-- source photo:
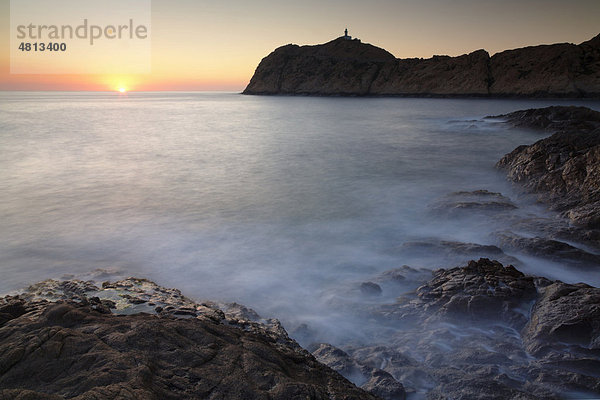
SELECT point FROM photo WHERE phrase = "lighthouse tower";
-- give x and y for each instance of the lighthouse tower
(346, 36)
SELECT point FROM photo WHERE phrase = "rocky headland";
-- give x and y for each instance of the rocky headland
(345, 67)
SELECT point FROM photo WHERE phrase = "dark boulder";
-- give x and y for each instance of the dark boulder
(565, 317)
(483, 290)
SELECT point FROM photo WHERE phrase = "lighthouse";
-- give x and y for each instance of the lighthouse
(346, 36)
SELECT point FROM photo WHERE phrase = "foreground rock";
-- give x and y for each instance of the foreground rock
(349, 67)
(563, 169)
(79, 350)
(567, 318)
(371, 378)
(485, 331)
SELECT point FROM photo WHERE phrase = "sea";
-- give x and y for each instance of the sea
(279, 203)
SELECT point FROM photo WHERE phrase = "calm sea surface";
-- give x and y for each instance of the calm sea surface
(269, 201)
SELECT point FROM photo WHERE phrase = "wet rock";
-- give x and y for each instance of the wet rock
(133, 299)
(554, 118)
(385, 386)
(76, 287)
(396, 274)
(373, 380)
(564, 169)
(485, 331)
(557, 229)
(479, 387)
(404, 277)
(447, 247)
(101, 306)
(370, 289)
(403, 368)
(79, 353)
(567, 318)
(240, 312)
(450, 253)
(339, 361)
(476, 202)
(125, 296)
(547, 248)
(483, 290)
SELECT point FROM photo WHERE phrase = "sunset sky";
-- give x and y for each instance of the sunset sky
(216, 45)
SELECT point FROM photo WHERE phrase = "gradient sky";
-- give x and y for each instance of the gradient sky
(216, 45)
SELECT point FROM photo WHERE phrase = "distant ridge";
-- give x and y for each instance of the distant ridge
(345, 67)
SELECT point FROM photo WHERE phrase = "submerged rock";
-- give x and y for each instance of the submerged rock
(370, 289)
(373, 380)
(476, 202)
(404, 276)
(450, 253)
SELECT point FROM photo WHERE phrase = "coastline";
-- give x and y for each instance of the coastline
(349, 67)
(518, 316)
(476, 96)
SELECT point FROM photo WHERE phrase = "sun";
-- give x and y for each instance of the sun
(122, 90)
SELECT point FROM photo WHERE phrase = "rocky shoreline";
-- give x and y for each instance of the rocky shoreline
(476, 328)
(133, 339)
(344, 67)
(481, 331)
(564, 168)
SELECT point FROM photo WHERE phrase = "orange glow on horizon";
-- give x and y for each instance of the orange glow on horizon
(223, 51)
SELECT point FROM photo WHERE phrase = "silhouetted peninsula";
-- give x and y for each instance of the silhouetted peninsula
(348, 67)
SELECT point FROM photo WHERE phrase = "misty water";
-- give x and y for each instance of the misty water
(284, 204)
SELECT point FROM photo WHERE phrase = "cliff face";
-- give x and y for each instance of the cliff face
(559, 69)
(440, 75)
(349, 67)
